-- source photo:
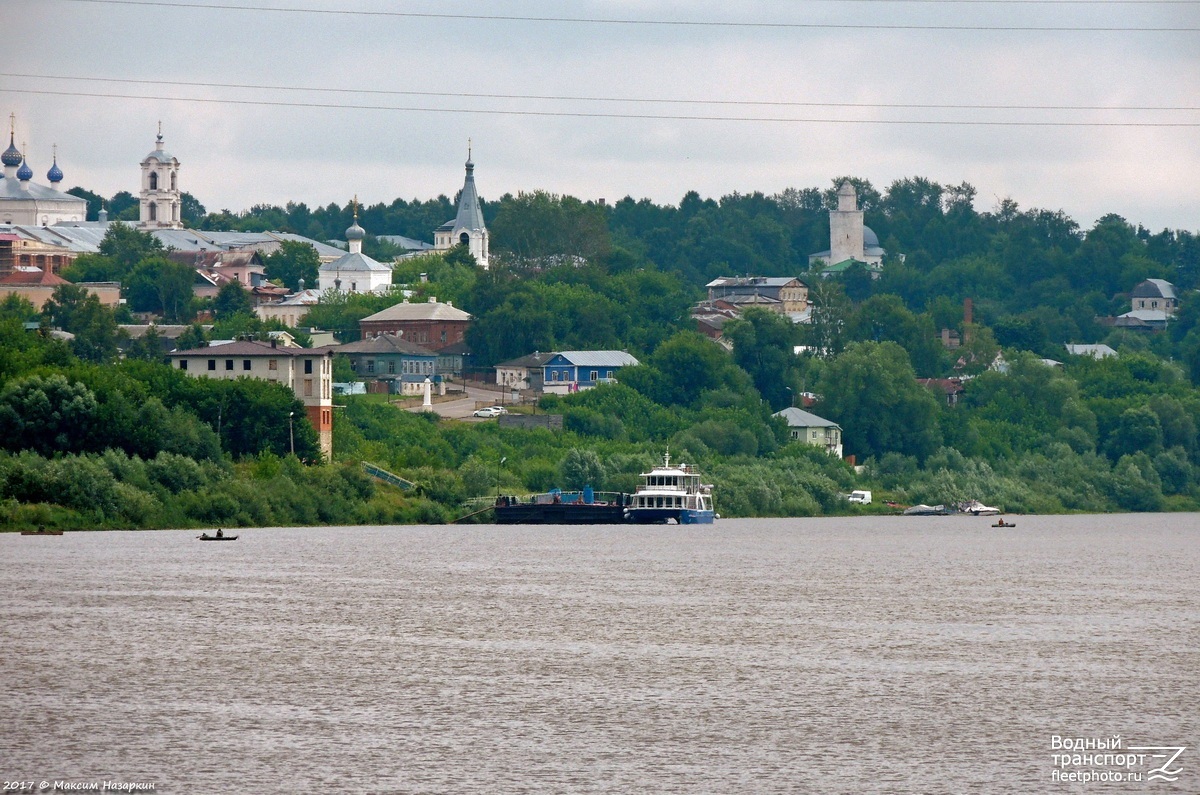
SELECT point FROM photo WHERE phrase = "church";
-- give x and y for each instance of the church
(849, 240)
(467, 227)
(24, 202)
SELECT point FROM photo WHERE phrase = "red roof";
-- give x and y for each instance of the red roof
(34, 277)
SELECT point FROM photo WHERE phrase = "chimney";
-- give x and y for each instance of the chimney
(274, 343)
(967, 313)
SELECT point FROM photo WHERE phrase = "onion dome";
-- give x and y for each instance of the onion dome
(356, 232)
(55, 173)
(24, 173)
(12, 155)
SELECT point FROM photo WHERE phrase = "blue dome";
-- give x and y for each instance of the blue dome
(12, 155)
(55, 173)
(356, 232)
(24, 173)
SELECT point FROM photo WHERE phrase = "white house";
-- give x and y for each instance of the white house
(308, 372)
(810, 429)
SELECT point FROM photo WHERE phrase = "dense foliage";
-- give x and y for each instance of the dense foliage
(1088, 435)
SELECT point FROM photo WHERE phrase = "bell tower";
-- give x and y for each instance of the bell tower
(161, 199)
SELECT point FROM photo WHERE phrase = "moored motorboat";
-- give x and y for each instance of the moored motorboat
(926, 510)
(977, 508)
(672, 494)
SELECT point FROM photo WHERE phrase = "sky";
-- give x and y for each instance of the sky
(653, 99)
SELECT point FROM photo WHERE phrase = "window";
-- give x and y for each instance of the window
(595, 376)
(153, 180)
(391, 367)
(153, 208)
(272, 364)
(229, 364)
(354, 365)
(183, 364)
(212, 364)
(174, 184)
(308, 366)
(370, 365)
(307, 387)
(443, 335)
(246, 364)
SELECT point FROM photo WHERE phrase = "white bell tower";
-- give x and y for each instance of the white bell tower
(161, 199)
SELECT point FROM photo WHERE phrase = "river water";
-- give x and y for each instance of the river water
(886, 655)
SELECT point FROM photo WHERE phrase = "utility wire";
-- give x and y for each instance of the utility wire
(632, 100)
(645, 22)
(587, 115)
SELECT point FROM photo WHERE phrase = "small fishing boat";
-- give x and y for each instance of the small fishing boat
(1003, 523)
(220, 536)
(41, 531)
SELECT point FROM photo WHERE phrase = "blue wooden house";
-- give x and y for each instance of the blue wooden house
(570, 371)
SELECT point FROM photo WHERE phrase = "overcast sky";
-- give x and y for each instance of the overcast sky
(236, 155)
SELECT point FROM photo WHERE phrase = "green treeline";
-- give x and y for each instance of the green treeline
(1087, 435)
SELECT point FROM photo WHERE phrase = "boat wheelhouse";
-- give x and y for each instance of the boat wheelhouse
(672, 494)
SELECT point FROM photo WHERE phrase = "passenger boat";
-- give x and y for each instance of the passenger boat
(563, 507)
(672, 494)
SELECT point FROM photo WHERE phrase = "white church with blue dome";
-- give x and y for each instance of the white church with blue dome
(355, 272)
(24, 202)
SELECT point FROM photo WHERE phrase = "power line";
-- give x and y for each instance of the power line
(631, 100)
(679, 23)
(589, 115)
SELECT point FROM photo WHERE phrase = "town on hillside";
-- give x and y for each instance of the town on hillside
(756, 323)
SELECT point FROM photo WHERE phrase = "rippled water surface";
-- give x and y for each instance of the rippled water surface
(891, 655)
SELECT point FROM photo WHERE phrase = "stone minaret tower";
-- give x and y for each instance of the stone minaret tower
(846, 227)
(161, 199)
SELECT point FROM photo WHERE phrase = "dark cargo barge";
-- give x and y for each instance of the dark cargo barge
(564, 507)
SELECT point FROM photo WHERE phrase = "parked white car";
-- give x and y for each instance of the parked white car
(859, 497)
(489, 412)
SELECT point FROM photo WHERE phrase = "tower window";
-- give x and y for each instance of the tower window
(464, 238)
(153, 211)
(173, 184)
(153, 180)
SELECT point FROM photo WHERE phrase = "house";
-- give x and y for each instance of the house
(37, 286)
(1100, 351)
(523, 373)
(292, 310)
(452, 360)
(571, 371)
(391, 358)
(786, 294)
(808, 428)
(1155, 294)
(307, 372)
(432, 325)
(948, 389)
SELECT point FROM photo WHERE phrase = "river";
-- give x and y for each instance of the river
(881, 655)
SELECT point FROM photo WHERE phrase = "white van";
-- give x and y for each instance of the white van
(860, 497)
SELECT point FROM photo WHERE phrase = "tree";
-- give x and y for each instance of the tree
(872, 392)
(580, 468)
(762, 346)
(47, 415)
(292, 262)
(830, 311)
(73, 309)
(127, 246)
(164, 287)
(232, 299)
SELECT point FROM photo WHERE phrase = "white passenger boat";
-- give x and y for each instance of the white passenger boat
(672, 494)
